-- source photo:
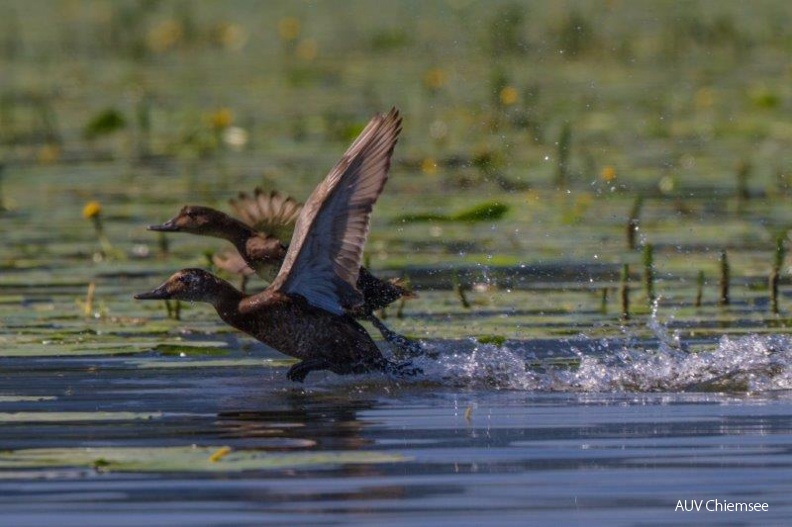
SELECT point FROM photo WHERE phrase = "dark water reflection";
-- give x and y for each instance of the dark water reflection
(469, 456)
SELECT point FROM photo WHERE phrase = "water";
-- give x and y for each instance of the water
(478, 439)
(111, 413)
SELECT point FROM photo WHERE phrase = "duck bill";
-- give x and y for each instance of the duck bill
(168, 226)
(160, 293)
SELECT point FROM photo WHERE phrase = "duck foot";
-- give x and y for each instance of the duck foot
(407, 347)
(299, 371)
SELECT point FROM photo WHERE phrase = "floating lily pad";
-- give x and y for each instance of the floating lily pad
(203, 349)
(184, 459)
(25, 398)
(489, 211)
(217, 363)
(38, 417)
(495, 340)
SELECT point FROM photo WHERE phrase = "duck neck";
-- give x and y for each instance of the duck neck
(225, 299)
(237, 233)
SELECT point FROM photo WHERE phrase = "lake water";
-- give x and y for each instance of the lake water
(111, 413)
(540, 403)
(127, 440)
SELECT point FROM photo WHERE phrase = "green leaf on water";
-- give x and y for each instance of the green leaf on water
(183, 459)
(490, 211)
(104, 123)
(420, 218)
(495, 340)
(25, 398)
(213, 363)
(198, 349)
(69, 417)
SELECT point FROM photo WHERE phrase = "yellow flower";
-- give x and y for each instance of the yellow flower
(306, 49)
(220, 453)
(704, 98)
(289, 28)
(429, 166)
(92, 209)
(48, 154)
(608, 174)
(231, 36)
(222, 118)
(164, 36)
(435, 78)
(508, 95)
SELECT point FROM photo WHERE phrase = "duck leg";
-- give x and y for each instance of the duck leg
(299, 371)
(408, 346)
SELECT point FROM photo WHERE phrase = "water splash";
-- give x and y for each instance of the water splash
(753, 363)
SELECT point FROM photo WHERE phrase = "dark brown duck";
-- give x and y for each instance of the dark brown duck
(302, 311)
(261, 253)
(286, 322)
(268, 217)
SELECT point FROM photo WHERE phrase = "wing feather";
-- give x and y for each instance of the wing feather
(272, 213)
(323, 260)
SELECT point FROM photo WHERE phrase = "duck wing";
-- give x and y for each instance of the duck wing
(230, 260)
(323, 259)
(271, 212)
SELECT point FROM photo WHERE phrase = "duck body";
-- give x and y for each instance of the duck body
(263, 254)
(286, 323)
(321, 340)
(304, 310)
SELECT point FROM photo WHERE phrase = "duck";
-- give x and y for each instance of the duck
(262, 253)
(268, 216)
(303, 312)
(286, 322)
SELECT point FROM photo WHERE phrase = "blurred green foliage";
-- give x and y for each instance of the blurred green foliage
(104, 123)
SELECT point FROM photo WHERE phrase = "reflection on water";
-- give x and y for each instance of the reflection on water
(467, 453)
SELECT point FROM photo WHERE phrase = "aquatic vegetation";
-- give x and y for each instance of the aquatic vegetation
(649, 273)
(489, 211)
(88, 304)
(435, 79)
(633, 222)
(562, 156)
(495, 340)
(184, 459)
(505, 32)
(576, 35)
(104, 123)
(725, 279)
(775, 273)
(221, 119)
(29, 117)
(557, 380)
(3, 206)
(624, 292)
(743, 174)
(93, 211)
(289, 28)
(700, 281)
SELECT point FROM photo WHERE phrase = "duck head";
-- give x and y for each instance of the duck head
(195, 220)
(194, 285)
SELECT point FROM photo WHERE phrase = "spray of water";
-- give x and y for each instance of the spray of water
(753, 363)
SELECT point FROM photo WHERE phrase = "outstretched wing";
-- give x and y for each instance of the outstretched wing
(271, 212)
(323, 260)
(230, 260)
